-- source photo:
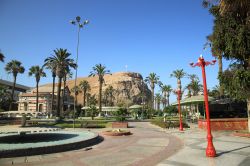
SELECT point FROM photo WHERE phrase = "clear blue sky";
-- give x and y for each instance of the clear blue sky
(147, 35)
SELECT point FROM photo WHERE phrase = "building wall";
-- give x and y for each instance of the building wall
(45, 101)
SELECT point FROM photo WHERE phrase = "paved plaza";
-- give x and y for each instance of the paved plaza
(148, 146)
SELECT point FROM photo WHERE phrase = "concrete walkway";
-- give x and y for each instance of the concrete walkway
(231, 150)
(149, 146)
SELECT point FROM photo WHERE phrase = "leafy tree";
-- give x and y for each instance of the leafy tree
(14, 67)
(92, 105)
(84, 85)
(152, 79)
(99, 70)
(62, 61)
(1, 57)
(215, 92)
(178, 74)
(231, 38)
(5, 97)
(51, 65)
(38, 73)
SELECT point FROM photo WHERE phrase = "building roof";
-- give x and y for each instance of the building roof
(18, 87)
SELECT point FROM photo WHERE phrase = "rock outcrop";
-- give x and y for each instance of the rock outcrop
(128, 87)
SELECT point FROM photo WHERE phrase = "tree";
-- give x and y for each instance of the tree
(99, 70)
(76, 90)
(62, 61)
(51, 65)
(158, 98)
(67, 75)
(152, 79)
(166, 90)
(5, 97)
(38, 73)
(84, 85)
(178, 74)
(194, 87)
(231, 37)
(92, 105)
(14, 67)
(1, 57)
(110, 95)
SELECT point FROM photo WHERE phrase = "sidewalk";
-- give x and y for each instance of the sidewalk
(231, 150)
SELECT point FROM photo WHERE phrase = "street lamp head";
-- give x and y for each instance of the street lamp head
(72, 22)
(191, 64)
(201, 56)
(214, 61)
(78, 18)
(85, 22)
(80, 25)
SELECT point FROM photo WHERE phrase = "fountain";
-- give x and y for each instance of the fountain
(25, 141)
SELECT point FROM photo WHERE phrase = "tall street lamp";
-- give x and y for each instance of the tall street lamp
(210, 151)
(178, 91)
(79, 25)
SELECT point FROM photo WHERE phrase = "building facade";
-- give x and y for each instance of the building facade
(27, 101)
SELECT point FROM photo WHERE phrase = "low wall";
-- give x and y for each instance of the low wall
(120, 125)
(225, 124)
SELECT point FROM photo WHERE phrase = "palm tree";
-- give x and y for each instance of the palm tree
(166, 90)
(110, 94)
(178, 74)
(38, 73)
(62, 61)
(1, 57)
(158, 98)
(51, 65)
(67, 75)
(76, 90)
(14, 67)
(84, 85)
(99, 70)
(152, 79)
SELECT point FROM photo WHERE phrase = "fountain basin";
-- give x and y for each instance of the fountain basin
(14, 145)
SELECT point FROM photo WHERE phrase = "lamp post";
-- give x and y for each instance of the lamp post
(210, 151)
(178, 91)
(79, 25)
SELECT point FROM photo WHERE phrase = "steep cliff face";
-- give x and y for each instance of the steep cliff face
(128, 87)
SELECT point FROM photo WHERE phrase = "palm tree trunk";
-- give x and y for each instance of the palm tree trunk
(84, 98)
(248, 113)
(100, 97)
(12, 92)
(220, 72)
(64, 86)
(58, 97)
(152, 94)
(53, 92)
(168, 99)
(37, 96)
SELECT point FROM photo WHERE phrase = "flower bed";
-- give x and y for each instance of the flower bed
(117, 132)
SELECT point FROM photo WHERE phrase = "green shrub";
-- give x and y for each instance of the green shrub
(168, 124)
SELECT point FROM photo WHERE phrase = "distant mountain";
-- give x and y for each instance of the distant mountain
(128, 87)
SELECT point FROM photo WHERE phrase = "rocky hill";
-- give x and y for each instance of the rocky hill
(128, 87)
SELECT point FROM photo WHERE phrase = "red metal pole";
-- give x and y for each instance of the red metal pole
(179, 109)
(210, 151)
